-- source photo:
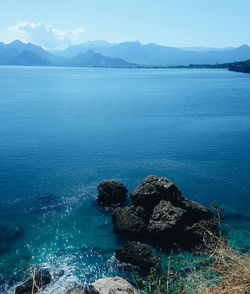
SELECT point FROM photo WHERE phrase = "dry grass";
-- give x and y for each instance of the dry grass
(224, 271)
(35, 287)
(233, 271)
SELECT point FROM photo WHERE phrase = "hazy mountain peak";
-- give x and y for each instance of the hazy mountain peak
(24, 46)
(89, 53)
(16, 43)
(99, 43)
(244, 47)
(82, 48)
(133, 43)
(92, 58)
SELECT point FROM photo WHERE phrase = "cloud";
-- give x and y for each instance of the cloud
(46, 35)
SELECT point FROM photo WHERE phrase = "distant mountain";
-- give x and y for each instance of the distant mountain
(205, 49)
(156, 55)
(19, 53)
(129, 51)
(126, 54)
(81, 48)
(27, 58)
(93, 59)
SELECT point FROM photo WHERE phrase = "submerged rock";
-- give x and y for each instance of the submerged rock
(8, 235)
(130, 220)
(154, 189)
(138, 254)
(42, 278)
(202, 235)
(111, 193)
(76, 290)
(114, 285)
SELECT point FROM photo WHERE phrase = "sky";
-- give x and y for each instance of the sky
(56, 24)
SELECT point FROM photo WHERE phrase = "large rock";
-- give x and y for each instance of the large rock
(114, 285)
(138, 254)
(154, 189)
(195, 211)
(202, 235)
(166, 221)
(162, 215)
(130, 220)
(111, 193)
(76, 290)
(42, 278)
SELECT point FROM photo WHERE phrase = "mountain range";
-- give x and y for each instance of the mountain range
(126, 54)
(19, 53)
(156, 55)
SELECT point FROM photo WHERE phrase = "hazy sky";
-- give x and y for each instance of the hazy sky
(59, 23)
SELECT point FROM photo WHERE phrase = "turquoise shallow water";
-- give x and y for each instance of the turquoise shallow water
(64, 130)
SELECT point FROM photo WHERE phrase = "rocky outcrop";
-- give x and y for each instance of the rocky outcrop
(154, 189)
(114, 285)
(195, 211)
(111, 193)
(138, 254)
(202, 235)
(162, 215)
(76, 290)
(166, 221)
(42, 278)
(131, 221)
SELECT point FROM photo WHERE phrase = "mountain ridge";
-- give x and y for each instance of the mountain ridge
(152, 54)
(28, 54)
(125, 54)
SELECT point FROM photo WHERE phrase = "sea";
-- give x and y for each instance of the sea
(63, 130)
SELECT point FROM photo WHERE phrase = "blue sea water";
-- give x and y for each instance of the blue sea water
(63, 130)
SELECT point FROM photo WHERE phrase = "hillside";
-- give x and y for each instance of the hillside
(27, 58)
(240, 66)
(93, 59)
(19, 53)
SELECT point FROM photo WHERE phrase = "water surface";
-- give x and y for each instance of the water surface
(63, 130)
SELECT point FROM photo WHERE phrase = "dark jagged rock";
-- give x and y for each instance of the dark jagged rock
(195, 211)
(130, 220)
(76, 290)
(113, 285)
(162, 215)
(201, 235)
(166, 221)
(42, 278)
(138, 254)
(111, 193)
(154, 189)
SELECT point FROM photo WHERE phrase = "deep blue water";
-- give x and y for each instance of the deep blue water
(64, 130)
